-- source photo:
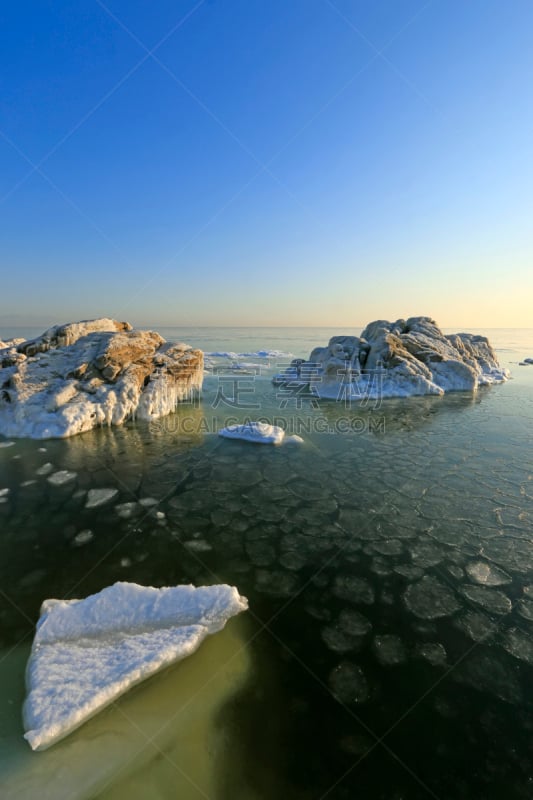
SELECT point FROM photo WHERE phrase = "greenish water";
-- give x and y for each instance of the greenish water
(388, 562)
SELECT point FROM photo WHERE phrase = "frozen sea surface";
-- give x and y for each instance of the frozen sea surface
(388, 564)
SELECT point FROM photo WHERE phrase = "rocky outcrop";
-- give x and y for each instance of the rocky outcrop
(397, 359)
(97, 372)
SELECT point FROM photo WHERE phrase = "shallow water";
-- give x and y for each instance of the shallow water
(388, 562)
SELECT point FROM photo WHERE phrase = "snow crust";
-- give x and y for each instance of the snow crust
(86, 653)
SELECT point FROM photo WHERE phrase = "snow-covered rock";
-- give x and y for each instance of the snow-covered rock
(258, 432)
(99, 372)
(396, 359)
(86, 653)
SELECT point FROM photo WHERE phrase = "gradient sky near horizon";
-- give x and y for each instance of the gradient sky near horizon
(266, 162)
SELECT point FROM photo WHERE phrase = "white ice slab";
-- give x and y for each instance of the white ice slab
(259, 432)
(127, 752)
(86, 653)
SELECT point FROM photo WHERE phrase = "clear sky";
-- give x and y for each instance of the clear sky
(263, 162)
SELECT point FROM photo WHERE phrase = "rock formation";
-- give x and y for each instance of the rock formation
(397, 359)
(96, 372)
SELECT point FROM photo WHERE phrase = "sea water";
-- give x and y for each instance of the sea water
(388, 563)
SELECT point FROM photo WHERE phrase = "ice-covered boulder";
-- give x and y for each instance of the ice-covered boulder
(258, 432)
(86, 653)
(397, 359)
(99, 372)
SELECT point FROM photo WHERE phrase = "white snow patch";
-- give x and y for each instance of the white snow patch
(86, 653)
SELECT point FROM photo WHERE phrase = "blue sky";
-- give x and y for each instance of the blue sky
(263, 162)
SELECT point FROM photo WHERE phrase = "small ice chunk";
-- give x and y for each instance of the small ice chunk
(354, 623)
(482, 572)
(389, 650)
(519, 645)
(353, 589)
(487, 670)
(41, 449)
(261, 553)
(293, 439)
(28, 483)
(46, 469)
(348, 683)
(525, 609)
(476, 625)
(6, 444)
(198, 545)
(492, 600)
(409, 571)
(61, 477)
(83, 537)
(432, 652)
(4, 492)
(99, 497)
(127, 510)
(146, 502)
(86, 653)
(293, 560)
(275, 583)
(258, 432)
(428, 598)
(125, 562)
(32, 578)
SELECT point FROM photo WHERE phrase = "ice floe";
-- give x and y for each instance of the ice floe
(99, 497)
(492, 600)
(86, 653)
(389, 650)
(348, 683)
(46, 469)
(486, 574)
(258, 432)
(432, 652)
(428, 598)
(83, 537)
(61, 477)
